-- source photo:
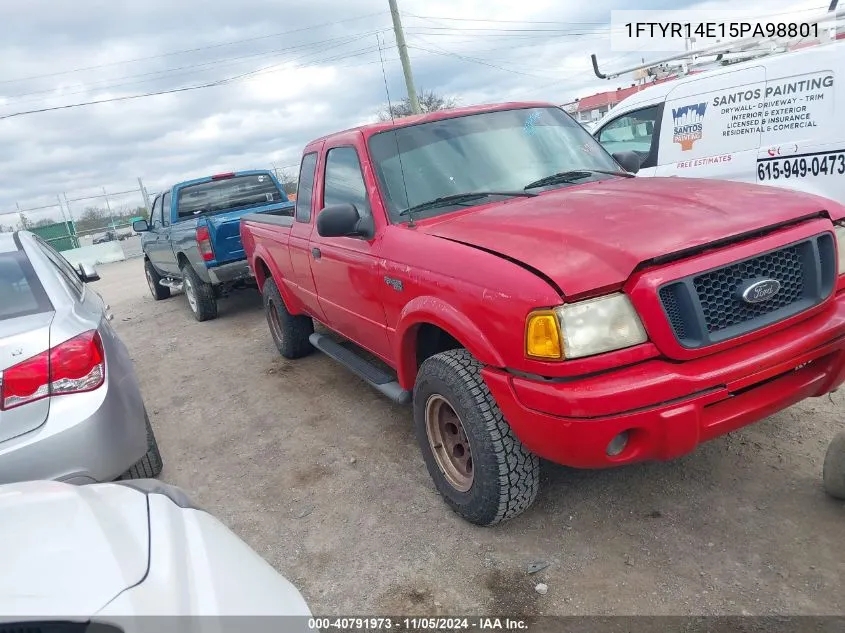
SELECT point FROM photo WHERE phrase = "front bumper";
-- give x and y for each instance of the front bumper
(668, 408)
(231, 272)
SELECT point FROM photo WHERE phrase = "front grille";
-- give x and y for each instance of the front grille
(708, 308)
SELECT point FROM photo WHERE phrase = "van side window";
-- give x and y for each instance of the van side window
(305, 188)
(633, 132)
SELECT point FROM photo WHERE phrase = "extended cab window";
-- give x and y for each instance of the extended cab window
(631, 132)
(305, 188)
(345, 181)
(498, 151)
(227, 193)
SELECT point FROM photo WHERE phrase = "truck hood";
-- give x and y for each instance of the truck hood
(69, 550)
(594, 235)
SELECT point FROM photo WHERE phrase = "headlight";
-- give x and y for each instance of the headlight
(839, 231)
(583, 329)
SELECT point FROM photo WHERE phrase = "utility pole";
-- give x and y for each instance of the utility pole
(403, 55)
(144, 194)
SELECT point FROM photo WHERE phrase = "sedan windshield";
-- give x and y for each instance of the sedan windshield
(501, 151)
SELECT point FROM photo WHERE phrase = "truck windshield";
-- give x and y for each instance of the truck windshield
(21, 293)
(503, 150)
(228, 194)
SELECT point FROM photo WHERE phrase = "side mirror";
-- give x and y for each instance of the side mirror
(87, 273)
(139, 226)
(629, 161)
(340, 220)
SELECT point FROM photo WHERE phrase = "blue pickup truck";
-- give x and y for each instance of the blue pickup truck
(192, 239)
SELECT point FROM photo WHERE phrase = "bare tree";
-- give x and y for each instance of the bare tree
(288, 180)
(429, 100)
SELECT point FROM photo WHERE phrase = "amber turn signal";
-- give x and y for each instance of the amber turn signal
(542, 336)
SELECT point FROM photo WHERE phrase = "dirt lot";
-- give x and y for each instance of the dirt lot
(322, 476)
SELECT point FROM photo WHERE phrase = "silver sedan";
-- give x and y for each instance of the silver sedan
(70, 404)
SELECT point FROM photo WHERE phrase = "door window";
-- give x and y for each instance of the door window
(305, 189)
(344, 180)
(155, 214)
(632, 132)
(165, 209)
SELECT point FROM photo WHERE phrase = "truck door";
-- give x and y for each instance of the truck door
(711, 127)
(153, 241)
(166, 254)
(346, 270)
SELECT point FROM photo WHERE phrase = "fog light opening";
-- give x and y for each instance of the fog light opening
(617, 444)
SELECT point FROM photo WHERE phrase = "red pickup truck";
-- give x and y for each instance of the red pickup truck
(498, 268)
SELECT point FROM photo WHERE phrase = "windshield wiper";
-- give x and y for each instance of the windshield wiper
(457, 198)
(573, 175)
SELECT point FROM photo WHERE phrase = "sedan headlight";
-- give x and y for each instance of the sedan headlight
(839, 231)
(583, 329)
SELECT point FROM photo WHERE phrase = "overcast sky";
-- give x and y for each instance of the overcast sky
(314, 69)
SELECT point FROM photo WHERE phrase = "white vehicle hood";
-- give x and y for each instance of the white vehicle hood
(69, 550)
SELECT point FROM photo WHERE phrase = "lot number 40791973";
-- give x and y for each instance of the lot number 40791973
(822, 164)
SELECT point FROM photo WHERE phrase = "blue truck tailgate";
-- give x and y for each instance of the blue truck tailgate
(225, 231)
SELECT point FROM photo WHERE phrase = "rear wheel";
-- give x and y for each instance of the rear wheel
(834, 468)
(149, 465)
(158, 291)
(290, 332)
(200, 295)
(478, 465)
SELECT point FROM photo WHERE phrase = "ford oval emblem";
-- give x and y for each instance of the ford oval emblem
(760, 290)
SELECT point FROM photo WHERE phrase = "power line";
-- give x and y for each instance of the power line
(191, 50)
(215, 64)
(437, 17)
(219, 82)
(476, 61)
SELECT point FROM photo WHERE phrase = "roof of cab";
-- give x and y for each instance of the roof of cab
(369, 129)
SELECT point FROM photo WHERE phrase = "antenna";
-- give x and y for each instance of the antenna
(411, 223)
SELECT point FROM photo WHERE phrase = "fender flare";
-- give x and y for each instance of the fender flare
(293, 305)
(434, 311)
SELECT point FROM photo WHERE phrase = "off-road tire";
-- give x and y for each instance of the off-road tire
(149, 465)
(506, 475)
(158, 291)
(204, 307)
(290, 332)
(833, 473)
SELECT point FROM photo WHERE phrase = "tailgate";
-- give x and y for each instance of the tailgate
(225, 231)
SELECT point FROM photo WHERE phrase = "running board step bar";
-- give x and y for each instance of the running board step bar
(375, 376)
(173, 284)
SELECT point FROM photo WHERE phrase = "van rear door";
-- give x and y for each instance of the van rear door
(712, 126)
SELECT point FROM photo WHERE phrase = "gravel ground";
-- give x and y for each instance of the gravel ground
(322, 476)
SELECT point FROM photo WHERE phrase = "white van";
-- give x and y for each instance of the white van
(771, 120)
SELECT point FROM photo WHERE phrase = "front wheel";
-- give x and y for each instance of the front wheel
(158, 291)
(834, 468)
(200, 295)
(477, 463)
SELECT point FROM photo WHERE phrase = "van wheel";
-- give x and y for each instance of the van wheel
(478, 465)
(200, 295)
(158, 291)
(290, 332)
(834, 468)
(149, 465)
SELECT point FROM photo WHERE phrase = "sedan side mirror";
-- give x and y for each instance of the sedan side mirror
(341, 220)
(629, 161)
(87, 273)
(139, 226)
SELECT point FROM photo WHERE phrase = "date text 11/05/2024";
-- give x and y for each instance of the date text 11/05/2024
(412, 624)
(720, 29)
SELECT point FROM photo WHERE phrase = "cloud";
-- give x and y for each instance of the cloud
(315, 68)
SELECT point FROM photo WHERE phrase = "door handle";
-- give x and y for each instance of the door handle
(316, 253)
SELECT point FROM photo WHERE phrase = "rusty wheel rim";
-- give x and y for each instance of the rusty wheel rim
(449, 442)
(273, 319)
